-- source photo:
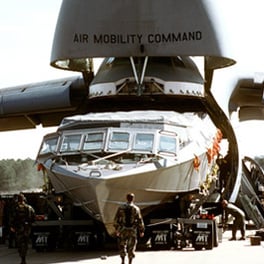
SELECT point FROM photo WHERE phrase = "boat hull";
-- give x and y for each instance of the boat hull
(101, 191)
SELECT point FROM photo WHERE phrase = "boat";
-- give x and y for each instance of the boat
(97, 158)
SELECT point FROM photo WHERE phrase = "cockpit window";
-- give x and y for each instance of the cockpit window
(93, 141)
(168, 144)
(70, 143)
(49, 145)
(119, 141)
(144, 141)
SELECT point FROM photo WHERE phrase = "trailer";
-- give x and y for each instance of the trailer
(62, 225)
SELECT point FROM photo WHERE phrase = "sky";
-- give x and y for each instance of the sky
(26, 30)
(26, 34)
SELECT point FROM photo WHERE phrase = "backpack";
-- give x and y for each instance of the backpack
(128, 216)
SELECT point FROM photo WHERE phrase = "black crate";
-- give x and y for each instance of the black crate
(84, 240)
(161, 237)
(44, 241)
(203, 234)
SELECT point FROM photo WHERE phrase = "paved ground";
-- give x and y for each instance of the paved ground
(241, 252)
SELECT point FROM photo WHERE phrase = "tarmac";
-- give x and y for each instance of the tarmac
(225, 253)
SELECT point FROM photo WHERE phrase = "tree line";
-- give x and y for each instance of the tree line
(19, 175)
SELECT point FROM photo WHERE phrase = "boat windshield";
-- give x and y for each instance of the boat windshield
(71, 143)
(93, 141)
(112, 140)
(119, 141)
(144, 141)
(168, 144)
(49, 145)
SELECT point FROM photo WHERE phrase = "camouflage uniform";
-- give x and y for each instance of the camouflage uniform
(128, 220)
(24, 216)
(11, 207)
(239, 219)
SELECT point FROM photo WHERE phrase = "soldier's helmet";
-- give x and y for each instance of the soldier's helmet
(21, 198)
(130, 197)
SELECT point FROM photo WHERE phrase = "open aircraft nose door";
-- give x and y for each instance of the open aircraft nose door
(103, 28)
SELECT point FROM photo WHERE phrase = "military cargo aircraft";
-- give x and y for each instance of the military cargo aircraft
(147, 121)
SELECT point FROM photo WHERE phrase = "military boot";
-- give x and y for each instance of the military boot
(23, 260)
(122, 260)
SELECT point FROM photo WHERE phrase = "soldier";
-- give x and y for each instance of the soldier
(12, 204)
(2, 219)
(239, 219)
(24, 216)
(128, 220)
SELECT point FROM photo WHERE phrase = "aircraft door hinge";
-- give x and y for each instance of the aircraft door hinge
(139, 78)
